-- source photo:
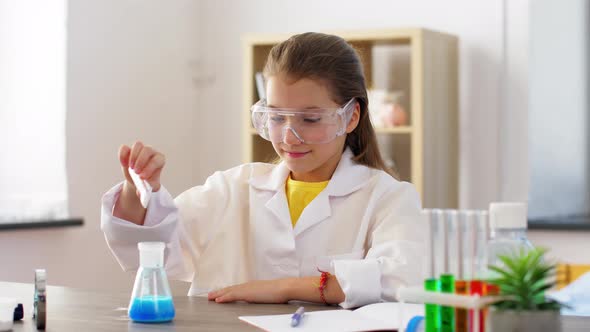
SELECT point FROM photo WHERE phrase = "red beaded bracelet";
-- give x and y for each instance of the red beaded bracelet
(323, 283)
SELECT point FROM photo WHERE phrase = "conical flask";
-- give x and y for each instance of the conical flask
(151, 300)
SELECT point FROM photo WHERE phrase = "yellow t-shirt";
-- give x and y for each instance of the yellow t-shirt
(300, 194)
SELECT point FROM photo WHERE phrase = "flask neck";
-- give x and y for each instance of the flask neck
(151, 259)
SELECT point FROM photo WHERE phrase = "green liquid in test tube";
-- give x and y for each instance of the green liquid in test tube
(432, 311)
(447, 314)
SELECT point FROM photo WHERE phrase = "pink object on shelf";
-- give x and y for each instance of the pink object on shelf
(394, 115)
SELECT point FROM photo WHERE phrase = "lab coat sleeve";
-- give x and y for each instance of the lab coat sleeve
(185, 224)
(201, 209)
(396, 250)
(160, 224)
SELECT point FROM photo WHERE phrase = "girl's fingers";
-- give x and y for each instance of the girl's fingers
(156, 163)
(229, 297)
(213, 295)
(218, 293)
(135, 150)
(124, 152)
(142, 158)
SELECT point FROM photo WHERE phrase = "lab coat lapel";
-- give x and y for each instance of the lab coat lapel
(279, 206)
(347, 178)
(275, 182)
(318, 210)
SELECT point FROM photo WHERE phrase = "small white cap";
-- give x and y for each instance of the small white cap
(508, 215)
(151, 254)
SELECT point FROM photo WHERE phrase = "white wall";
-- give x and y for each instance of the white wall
(130, 75)
(28, 191)
(177, 65)
(513, 166)
(565, 246)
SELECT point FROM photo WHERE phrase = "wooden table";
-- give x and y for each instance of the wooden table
(79, 310)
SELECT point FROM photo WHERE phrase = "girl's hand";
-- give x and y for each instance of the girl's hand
(148, 163)
(145, 160)
(260, 291)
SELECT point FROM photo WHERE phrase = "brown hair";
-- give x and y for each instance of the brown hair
(331, 59)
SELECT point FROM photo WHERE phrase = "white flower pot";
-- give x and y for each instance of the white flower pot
(523, 321)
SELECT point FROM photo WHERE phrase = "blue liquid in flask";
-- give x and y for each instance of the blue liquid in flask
(152, 309)
(151, 299)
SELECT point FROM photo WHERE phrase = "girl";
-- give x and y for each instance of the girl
(328, 224)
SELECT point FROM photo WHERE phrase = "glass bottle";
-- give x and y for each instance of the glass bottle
(151, 299)
(508, 222)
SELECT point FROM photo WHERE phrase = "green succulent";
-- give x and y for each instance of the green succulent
(522, 279)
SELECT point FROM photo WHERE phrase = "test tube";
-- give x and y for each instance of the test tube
(481, 235)
(468, 239)
(439, 247)
(454, 243)
(432, 311)
(431, 283)
(447, 278)
(428, 217)
(462, 275)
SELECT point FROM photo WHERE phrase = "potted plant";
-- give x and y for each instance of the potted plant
(522, 279)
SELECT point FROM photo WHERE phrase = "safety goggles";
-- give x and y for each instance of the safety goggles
(309, 126)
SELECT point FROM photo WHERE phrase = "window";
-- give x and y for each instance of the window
(33, 182)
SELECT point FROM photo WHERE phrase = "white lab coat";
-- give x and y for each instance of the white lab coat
(363, 227)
